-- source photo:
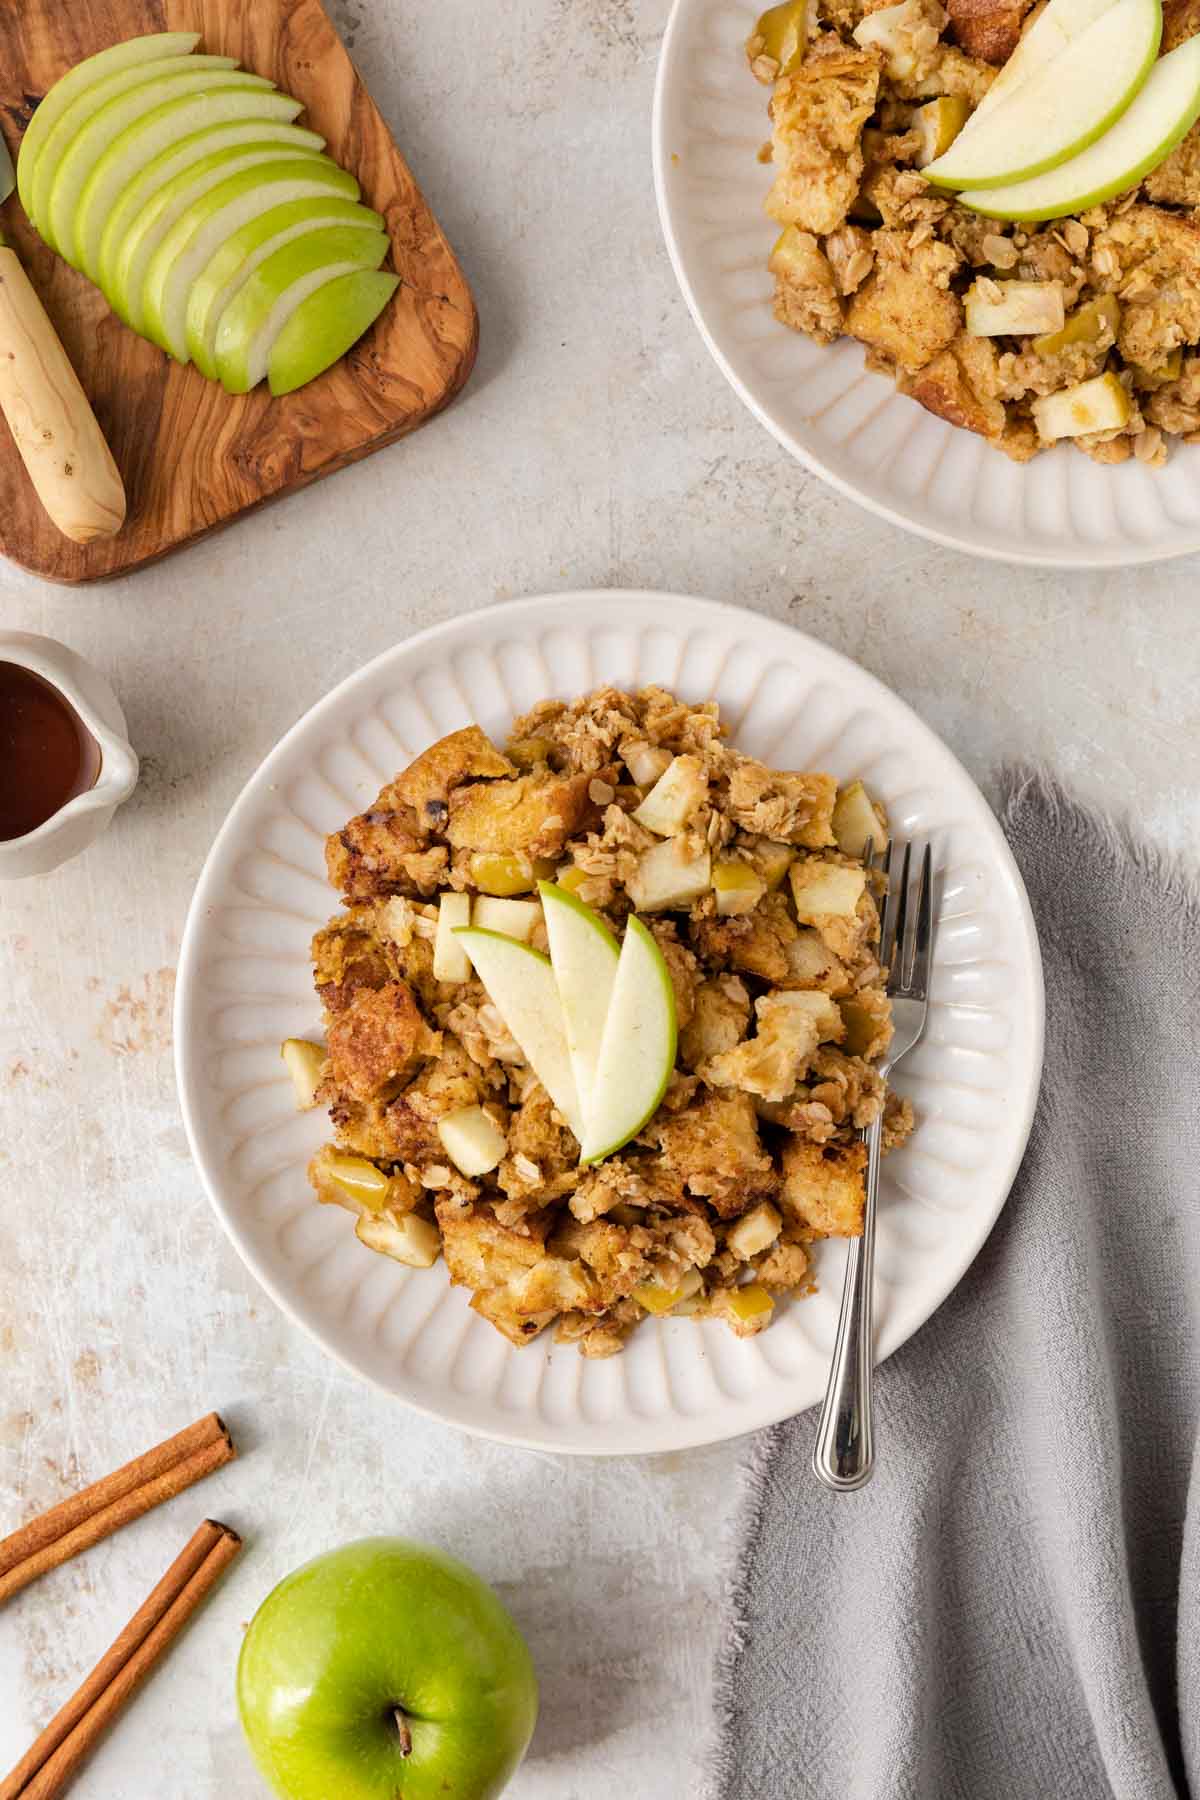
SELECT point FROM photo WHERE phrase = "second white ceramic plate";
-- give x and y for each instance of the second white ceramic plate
(852, 427)
(245, 984)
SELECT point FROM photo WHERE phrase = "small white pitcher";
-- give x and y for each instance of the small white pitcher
(76, 824)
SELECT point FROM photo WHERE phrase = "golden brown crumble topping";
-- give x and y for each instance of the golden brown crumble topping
(753, 1152)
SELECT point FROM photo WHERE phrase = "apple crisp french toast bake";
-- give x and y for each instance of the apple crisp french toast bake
(598, 816)
(1007, 316)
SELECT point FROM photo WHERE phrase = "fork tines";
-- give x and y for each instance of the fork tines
(906, 923)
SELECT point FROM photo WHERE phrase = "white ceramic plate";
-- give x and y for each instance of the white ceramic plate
(245, 984)
(883, 450)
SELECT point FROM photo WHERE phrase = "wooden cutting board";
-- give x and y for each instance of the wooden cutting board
(193, 457)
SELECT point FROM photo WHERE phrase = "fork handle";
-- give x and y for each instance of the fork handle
(844, 1452)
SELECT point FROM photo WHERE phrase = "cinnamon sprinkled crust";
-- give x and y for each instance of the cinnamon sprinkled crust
(779, 997)
(870, 250)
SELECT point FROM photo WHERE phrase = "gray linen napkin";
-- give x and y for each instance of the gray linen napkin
(1011, 1608)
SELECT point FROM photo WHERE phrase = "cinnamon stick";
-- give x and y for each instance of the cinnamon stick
(50, 1763)
(82, 1520)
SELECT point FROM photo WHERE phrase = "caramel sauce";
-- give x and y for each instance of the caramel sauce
(47, 753)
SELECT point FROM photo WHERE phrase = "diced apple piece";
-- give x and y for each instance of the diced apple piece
(1085, 325)
(411, 1240)
(325, 325)
(528, 752)
(825, 1013)
(891, 30)
(1023, 306)
(667, 876)
(645, 762)
(939, 124)
(1097, 405)
(773, 861)
(748, 1309)
(737, 885)
(1168, 370)
(515, 918)
(777, 44)
(366, 1188)
(504, 874)
(656, 1300)
(572, 878)
(857, 823)
(305, 1063)
(450, 960)
(472, 1140)
(660, 1300)
(867, 1019)
(754, 1231)
(821, 889)
(791, 253)
(812, 962)
(673, 799)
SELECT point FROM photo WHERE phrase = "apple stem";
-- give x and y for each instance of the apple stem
(405, 1735)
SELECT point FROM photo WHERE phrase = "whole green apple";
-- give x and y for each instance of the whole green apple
(386, 1671)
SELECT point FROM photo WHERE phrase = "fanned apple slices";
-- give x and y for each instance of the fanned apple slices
(211, 221)
(1073, 78)
(595, 1020)
(1160, 117)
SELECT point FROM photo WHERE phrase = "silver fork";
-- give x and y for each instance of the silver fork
(843, 1455)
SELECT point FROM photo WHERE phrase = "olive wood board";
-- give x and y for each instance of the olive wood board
(192, 456)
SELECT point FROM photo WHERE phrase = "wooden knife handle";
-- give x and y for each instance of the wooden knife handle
(50, 417)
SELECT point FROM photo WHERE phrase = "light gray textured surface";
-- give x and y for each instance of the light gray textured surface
(596, 445)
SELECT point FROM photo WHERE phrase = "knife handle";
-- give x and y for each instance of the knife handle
(50, 417)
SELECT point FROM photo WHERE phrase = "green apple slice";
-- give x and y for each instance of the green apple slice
(78, 80)
(521, 986)
(325, 326)
(94, 100)
(1062, 108)
(1161, 115)
(247, 250)
(200, 230)
(162, 133)
(131, 261)
(250, 324)
(1052, 32)
(637, 1053)
(252, 134)
(585, 955)
(78, 164)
